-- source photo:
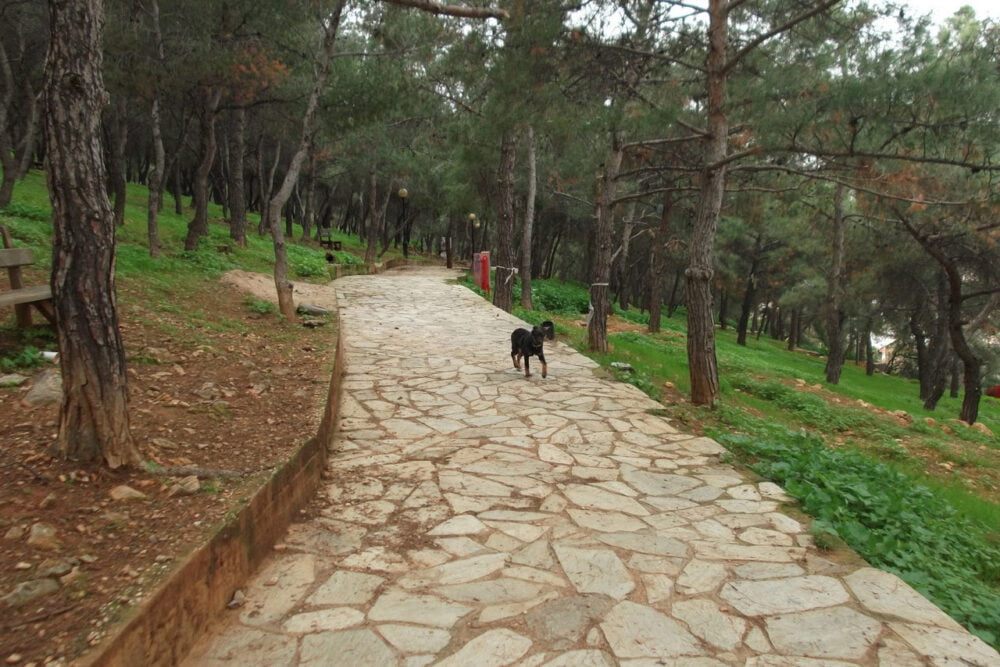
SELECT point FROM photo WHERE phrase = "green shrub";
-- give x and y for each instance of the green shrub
(28, 357)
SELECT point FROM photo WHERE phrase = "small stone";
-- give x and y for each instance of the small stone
(14, 533)
(13, 658)
(12, 380)
(48, 501)
(186, 487)
(124, 492)
(238, 599)
(44, 536)
(23, 566)
(30, 590)
(46, 389)
(54, 567)
(73, 576)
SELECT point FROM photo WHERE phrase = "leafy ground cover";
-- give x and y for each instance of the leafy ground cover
(911, 491)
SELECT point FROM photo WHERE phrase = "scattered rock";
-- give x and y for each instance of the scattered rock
(124, 492)
(239, 598)
(13, 658)
(72, 577)
(15, 533)
(208, 391)
(903, 416)
(159, 355)
(185, 487)
(48, 501)
(27, 591)
(163, 443)
(54, 567)
(44, 536)
(982, 428)
(622, 366)
(46, 389)
(23, 565)
(312, 309)
(930, 421)
(12, 380)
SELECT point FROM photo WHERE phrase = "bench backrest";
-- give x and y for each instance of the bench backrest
(11, 257)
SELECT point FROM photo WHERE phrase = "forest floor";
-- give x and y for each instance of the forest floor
(235, 391)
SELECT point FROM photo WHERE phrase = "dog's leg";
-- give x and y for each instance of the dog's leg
(527, 373)
(515, 355)
(545, 366)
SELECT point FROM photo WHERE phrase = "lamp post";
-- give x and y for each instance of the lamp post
(403, 194)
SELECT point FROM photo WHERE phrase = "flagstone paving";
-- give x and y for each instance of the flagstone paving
(479, 517)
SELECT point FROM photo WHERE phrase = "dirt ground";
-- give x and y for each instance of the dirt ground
(236, 393)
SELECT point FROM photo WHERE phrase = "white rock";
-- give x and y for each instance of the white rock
(595, 571)
(417, 609)
(323, 620)
(637, 631)
(493, 648)
(838, 632)
(783, 596)
(882, 592)
(707, 621)
(343, 587)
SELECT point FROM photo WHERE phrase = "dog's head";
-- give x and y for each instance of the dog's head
(549, 329)
(537, 337)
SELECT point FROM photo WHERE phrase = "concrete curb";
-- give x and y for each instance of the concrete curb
(163, 629)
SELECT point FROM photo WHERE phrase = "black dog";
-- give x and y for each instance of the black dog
(524, 343)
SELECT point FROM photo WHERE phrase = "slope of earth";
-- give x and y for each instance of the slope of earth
(215, 389)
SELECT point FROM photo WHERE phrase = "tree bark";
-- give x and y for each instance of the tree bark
(503, 292)
(93, 415)
(237, 179)
(657, 261)
(198, 227)
(158, 172)
(833, 308)
(374, 230)
(600, 302)
(702, 363)
(529, 221)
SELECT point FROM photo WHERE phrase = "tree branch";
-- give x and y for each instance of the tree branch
(452, 10)
(784, 27)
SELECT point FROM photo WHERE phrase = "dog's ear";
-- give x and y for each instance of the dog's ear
(549, 329)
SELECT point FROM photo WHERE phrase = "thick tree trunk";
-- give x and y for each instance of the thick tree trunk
(621, 275)
(834, 293)
(527, 234)
(93, 416)
(503, 292)
(600, 303)
(198, 226)
(702, 363)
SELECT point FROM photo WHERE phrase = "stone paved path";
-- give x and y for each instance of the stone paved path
(482, 518)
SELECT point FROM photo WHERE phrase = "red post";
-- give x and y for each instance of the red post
(484, 271)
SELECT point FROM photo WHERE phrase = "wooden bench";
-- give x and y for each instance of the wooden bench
(19, 296)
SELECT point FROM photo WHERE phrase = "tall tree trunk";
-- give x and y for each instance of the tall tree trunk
(237, 179)
(621, 275)
(118, 131)
(600, 303)
(374, 230)
(703, 366)
(198, 227)
(833, 308)
(749, 294)
(15, 154)
(157, 173)
(331, 23)
(503, 293)
(527, 234)
(93, 415)
(937, 357)
(310, 198)
(657, 261)
(794, 328)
